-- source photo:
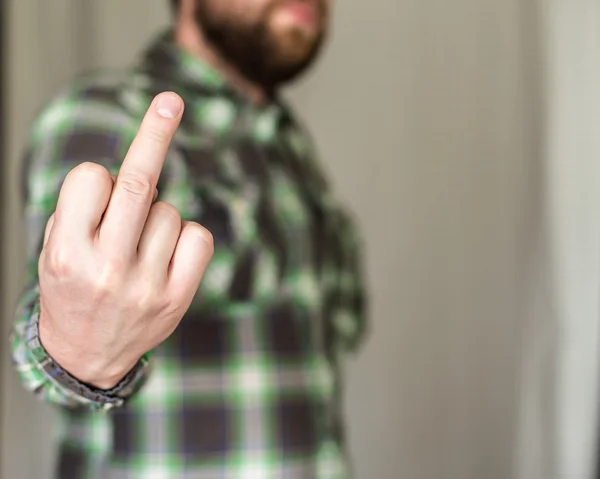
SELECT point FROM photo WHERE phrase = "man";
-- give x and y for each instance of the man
(189, 314)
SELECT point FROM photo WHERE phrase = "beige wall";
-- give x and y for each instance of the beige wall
(422, 111)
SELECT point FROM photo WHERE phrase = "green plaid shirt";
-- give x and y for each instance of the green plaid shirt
(249, 385)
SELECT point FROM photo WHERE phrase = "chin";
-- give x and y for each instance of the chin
(295, 46)
(309, 32)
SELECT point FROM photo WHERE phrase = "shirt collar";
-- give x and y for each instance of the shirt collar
(165, 60)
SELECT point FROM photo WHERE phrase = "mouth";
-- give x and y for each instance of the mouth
(299, 12)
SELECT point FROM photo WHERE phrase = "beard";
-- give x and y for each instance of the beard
(260, 54)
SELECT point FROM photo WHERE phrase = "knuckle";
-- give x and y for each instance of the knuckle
(137, 186)
(154, 135)
(59, 261)
(146, 297)
(174, 307)
(108, 280)
(103, 290)
(89, 169)
(167, 209)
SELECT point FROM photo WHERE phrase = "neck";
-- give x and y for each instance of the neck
(189, 37)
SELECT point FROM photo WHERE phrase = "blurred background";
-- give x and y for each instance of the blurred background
(466, 137)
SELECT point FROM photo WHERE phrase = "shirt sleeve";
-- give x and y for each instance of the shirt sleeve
(350, 319)
(74, 128)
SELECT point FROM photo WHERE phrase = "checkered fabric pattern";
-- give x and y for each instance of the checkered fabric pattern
(249, 385)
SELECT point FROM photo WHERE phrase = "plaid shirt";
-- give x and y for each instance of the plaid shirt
(249, 384)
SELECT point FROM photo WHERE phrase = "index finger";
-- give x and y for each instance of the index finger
(136, 182)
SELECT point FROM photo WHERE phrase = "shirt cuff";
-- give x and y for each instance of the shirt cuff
(67, 389)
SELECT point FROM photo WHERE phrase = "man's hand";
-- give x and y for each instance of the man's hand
(117, 272)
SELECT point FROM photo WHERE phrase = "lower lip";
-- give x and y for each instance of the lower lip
(300, 12)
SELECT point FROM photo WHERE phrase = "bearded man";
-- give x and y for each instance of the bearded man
(194, 285)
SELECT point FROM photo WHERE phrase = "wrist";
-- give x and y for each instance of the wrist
(80, 361)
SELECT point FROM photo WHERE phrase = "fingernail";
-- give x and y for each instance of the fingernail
(168, 105)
